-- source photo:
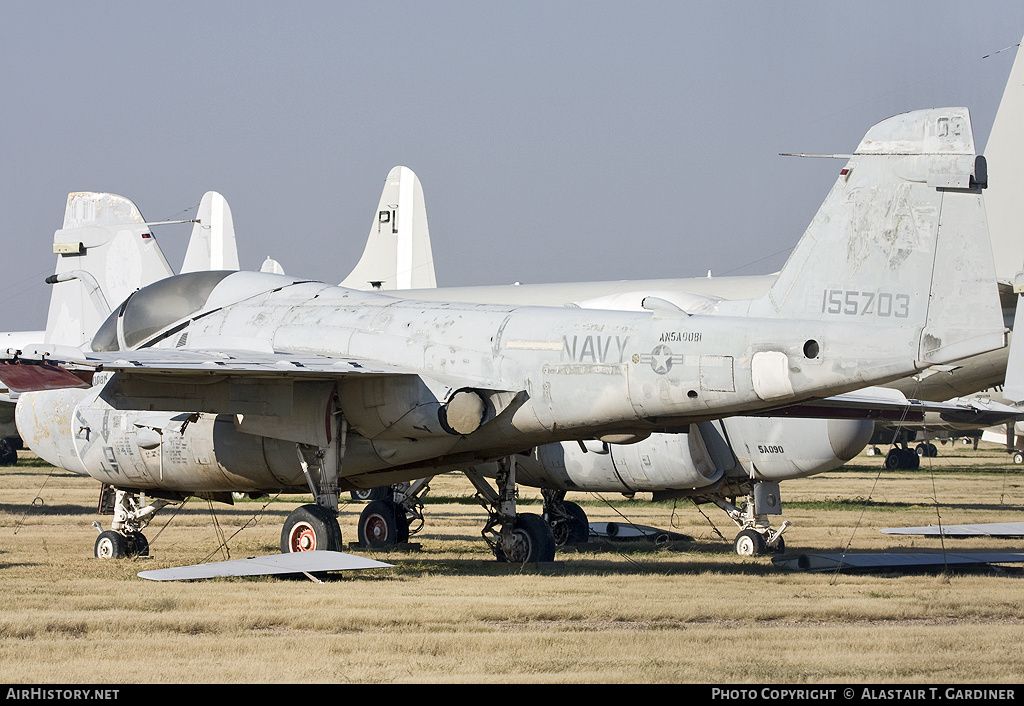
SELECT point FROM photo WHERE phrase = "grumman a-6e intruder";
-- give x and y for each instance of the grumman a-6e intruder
(213, 382)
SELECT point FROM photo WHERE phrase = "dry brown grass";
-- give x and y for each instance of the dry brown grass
(449, 613)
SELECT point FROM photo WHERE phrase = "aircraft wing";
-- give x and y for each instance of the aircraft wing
(52, 367)
(265, 387)
(238, 363)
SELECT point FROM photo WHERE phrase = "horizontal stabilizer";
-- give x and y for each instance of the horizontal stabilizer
(888, 404)
(295, 563)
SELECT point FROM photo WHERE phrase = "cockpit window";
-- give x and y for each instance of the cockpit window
(154, 308)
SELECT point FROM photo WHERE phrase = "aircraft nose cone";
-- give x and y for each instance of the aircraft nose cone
(848, 436)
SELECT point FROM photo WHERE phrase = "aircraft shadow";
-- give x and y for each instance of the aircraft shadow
(31, 509)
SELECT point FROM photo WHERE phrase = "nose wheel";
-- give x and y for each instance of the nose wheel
(750, 542)
(756, 536)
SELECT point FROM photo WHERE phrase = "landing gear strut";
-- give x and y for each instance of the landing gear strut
(569, 522)
(756, 535)
(522, 538)
(315, 526)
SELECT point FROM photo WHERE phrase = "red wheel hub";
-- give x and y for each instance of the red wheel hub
(376, 528)
(302, 538)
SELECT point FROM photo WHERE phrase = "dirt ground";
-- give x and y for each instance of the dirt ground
(682, 611)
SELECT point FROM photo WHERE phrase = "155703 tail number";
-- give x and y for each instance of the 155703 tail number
(848, 302)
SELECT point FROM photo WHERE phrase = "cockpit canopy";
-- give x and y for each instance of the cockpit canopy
(152, 309)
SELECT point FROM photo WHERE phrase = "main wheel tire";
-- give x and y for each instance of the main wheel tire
(138, 545)
(310, 527)
(573, 530)
(902, 459)
(533, 542)
(894, 459)
(749, 543)
(382, 524)
(111, 545)
(8, 454)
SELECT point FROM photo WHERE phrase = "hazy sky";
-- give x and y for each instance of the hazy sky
(555, 140)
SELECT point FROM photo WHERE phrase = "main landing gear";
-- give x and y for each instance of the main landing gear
(9, 452)
(902, 457)
(568, 521)
(756, 536)
(390, 518)
(309, 528)
(513, 537)
(315, 526)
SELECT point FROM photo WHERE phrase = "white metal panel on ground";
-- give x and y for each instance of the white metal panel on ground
(894, 562)
(991, 529)
(295, 563)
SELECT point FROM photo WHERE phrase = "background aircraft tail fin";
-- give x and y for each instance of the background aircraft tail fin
(212, 244)
(397, 253)
(1013, 385)
(901, 240)
(105, 251)
(272, 265)
(1004, 154)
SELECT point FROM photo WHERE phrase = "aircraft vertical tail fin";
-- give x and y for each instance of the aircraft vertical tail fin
(397, 253)
(1004, 154)
(901, 241)
(105, 251)
(212, 243)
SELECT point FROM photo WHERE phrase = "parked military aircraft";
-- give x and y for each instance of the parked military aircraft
(259, 382)
(106, 250)
(1004, 153)
(754, 454)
